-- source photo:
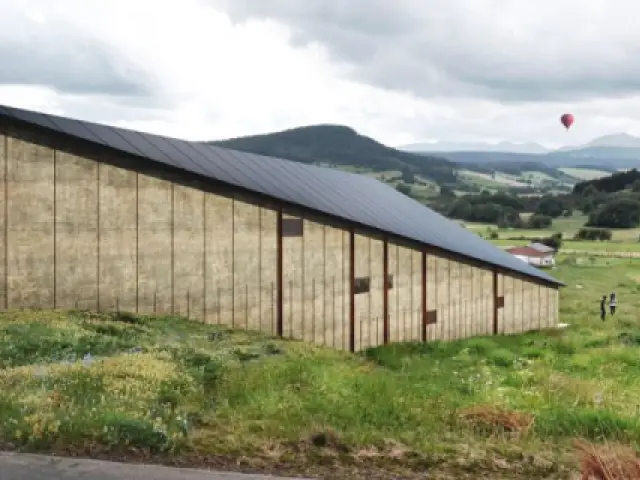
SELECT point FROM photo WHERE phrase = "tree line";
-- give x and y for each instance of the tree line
(609, 202)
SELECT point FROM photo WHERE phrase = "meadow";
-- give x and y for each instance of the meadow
(623, 240)
(169, 390)
(585, 173)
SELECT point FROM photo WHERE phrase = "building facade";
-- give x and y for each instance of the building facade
(87, 227)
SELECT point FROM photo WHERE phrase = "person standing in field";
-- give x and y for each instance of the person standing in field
(612, 303)
(603, 307)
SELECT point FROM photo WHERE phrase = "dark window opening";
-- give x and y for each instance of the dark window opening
(432, 317)
(361, 285)
(389, 282)
(292, 227)
(500, 302)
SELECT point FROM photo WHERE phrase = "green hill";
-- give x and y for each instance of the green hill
(341, 146)
(613, 183)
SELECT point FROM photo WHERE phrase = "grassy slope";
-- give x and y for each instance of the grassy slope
(339, 145)
(205, 395)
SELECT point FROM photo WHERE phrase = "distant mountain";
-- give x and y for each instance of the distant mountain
(340, 145)
(606, 153)
(507, 147)
(604, 158)
(617, 140)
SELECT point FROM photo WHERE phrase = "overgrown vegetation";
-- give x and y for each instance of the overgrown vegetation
(79, 383)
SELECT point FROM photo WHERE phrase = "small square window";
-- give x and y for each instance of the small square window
(432, 317)
(361, 285)
(292, 227)
(389, 282)
(500, 302)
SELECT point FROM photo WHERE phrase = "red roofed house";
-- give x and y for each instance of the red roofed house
(533, 256)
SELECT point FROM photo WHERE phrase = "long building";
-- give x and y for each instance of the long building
(102, 218)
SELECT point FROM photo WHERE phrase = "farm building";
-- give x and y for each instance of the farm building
(542, 248)
(101, 218)
(534, 256)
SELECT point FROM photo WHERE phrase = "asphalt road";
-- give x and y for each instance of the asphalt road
(39, 467)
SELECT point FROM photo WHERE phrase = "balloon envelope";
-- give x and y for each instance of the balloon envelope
(566, 120)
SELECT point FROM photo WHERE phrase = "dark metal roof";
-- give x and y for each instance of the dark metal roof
(352, 197)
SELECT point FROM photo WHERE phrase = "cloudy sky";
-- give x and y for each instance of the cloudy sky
(402, 71)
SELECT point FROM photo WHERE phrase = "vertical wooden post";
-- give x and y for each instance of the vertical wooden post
(5, 233)
(55, 228)
(424, 296)
(385, 297)
(279, 276)
(352, 296)
(173, 250)
(495, 302)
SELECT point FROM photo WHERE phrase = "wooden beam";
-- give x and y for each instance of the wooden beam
(385, 298)
(279, 277)
(352, 295)
(424, 296)
(495, 302)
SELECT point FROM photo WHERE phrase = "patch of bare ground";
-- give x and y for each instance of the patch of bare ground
(494, 420)
(324, 455)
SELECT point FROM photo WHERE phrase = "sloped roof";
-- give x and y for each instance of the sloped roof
(357, 198)
(541, 247)
(527, 251)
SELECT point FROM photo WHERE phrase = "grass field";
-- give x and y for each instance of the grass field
(624, 240)
(485, 180)
(584, 173)
(172, 391)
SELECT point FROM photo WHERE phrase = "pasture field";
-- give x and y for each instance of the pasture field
(624, 240)
(164, 389)
(500, 180)
(584, 173)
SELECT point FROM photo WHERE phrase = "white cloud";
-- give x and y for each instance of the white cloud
(186, 69)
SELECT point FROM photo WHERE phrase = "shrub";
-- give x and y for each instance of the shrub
(554, 241)
(538, 220)
(404, 189)
(593, 234)
(501, 357)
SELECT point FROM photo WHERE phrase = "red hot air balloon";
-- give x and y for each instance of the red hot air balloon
(566, 120)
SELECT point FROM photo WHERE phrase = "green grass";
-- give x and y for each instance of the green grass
(623, 240)
(194, 394)
(501, 180)
(584, 173)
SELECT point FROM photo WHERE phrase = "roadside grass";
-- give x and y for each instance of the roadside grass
(119, 384)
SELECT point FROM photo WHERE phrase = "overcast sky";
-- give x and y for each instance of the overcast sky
(401, 71)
